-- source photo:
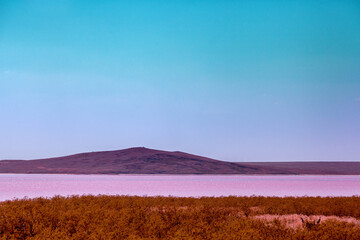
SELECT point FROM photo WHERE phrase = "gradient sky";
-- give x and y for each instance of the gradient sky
(232, 80)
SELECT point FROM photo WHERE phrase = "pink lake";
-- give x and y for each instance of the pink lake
(36, 185)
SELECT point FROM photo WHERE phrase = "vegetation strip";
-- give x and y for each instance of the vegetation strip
(125, 217)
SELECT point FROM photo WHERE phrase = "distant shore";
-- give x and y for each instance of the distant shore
(141, 160)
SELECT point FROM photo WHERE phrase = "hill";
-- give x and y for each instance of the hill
(141, 160)
(129, 161)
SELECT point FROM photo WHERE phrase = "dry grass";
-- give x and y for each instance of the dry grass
(123, 217)
(294, 220)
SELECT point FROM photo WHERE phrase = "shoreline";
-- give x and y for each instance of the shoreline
(175, 174)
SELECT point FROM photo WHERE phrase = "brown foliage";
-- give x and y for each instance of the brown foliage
(124, 217)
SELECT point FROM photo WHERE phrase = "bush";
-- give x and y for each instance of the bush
(124, 217)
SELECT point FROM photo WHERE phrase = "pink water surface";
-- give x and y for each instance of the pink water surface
(21, 185)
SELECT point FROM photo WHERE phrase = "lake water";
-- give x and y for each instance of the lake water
(21, 185)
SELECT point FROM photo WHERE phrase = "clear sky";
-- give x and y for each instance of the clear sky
(232, 80)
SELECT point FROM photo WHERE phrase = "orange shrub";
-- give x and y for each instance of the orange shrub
(125, 217)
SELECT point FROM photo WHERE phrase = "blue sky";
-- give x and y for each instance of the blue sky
(232, 80)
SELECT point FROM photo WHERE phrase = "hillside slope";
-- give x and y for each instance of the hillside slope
(149, 161)
(129, 161)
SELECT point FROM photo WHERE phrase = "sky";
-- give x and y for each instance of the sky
(231, 80)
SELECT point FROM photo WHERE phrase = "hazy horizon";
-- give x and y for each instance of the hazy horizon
(229, 80)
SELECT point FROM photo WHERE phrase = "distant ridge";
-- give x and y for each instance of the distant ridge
(311, 168)
(140, 160)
